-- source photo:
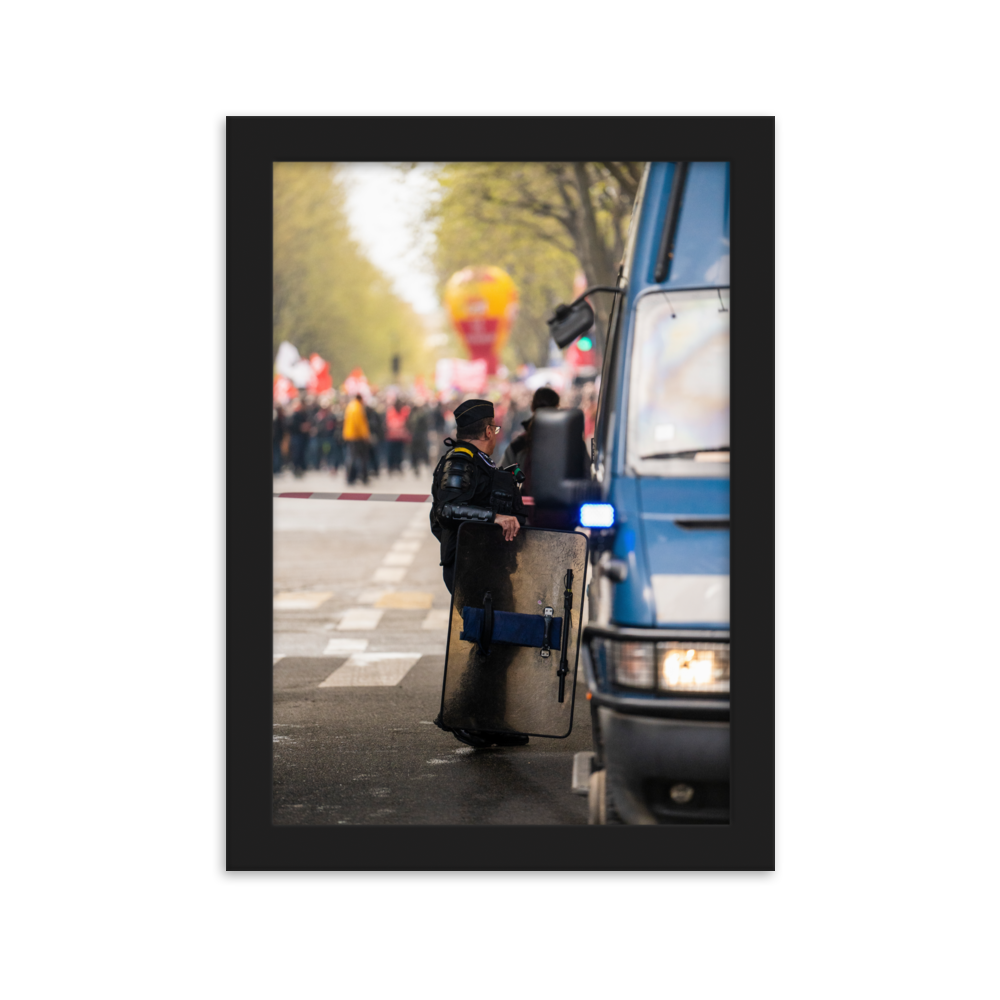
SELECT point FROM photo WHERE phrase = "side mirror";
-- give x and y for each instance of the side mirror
(560, 469)
(569, 322)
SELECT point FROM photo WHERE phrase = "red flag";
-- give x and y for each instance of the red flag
(319, 378)
(283, 390)
(356, 383)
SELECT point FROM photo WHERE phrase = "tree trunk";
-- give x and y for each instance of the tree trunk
(598, 266)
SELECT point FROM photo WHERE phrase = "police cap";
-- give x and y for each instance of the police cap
(472, 411)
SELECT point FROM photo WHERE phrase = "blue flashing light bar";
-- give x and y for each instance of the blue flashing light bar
(597, 515)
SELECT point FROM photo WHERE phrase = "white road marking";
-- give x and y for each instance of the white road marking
(437, 618)
(307, 600)
(404, 546)
(416, 533)
(398, 558)
(374, 594)
(336, 646)
(360, 619)
(388, 574)
(409, 600)
(278, 656)
(372, 670)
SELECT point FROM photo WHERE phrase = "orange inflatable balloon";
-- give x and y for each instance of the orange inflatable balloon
(482, 303)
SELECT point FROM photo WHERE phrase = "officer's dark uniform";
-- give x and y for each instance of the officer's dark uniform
(467, 486)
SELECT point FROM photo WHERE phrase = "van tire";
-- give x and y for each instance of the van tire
(600, 808)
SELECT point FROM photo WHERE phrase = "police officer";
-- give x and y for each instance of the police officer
(518, 452)
(467, 486)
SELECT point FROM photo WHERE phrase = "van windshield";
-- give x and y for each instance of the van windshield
(678, 410)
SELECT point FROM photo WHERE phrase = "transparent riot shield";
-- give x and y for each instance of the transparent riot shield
(514, 635)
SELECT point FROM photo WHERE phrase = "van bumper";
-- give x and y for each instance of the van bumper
(646, 756)
(649, 745)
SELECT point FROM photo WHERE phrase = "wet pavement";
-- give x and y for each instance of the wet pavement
(360, 625)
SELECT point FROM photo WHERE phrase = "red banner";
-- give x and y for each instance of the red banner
(319, 379)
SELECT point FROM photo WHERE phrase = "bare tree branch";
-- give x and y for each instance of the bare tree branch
(629, 185)
(536, 230)
(635, 170)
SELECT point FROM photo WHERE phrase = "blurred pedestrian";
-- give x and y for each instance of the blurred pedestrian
(357, 438)
(376, 443)
(326, 425)
(438, 426)
(277, 436)
(338, 451)
(419, 427)
(312, 436)
(299, 427)
(396, 433)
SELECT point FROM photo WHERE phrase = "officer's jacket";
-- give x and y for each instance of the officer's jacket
(467, 485)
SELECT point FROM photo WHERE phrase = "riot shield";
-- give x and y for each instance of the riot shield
(514, 634)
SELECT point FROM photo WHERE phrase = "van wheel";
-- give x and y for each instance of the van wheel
(600, 807)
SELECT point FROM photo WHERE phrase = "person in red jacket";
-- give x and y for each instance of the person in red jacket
(396, 433)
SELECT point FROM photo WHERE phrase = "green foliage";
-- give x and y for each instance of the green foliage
(327, 296)
(540, 222)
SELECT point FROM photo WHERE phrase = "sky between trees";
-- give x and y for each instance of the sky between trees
(541, 222)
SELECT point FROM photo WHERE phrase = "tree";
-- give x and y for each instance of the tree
(541, 222)
(327, 296)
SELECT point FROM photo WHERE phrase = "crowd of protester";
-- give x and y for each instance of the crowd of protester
(389, 430)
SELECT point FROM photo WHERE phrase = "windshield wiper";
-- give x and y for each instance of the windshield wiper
(685, 454)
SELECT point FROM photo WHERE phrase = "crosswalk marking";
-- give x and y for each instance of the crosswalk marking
(372, 670)
(375, 669)
(360, 619)
(437, 618)
(398, 558)
(405, 546)
(336, 646)
(388, 574)
(411, 600)
(373, 594)
(307, 600)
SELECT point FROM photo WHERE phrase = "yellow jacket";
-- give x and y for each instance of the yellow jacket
(355, 422)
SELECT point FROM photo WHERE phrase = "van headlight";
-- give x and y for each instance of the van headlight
(695, 666)
(627, 664)
(669, 667)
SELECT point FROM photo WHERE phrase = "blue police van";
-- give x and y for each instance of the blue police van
(655, 496)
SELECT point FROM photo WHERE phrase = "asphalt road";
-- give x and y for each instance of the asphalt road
(359, 636)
